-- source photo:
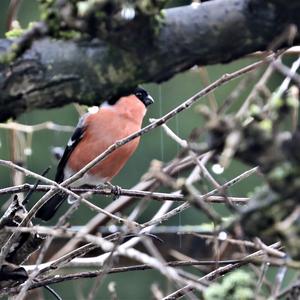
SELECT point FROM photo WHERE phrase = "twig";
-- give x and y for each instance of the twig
(112, 290)
(186, 205)
(232, 241)
(155, 220)
(217, 273)
(235, 95)
(108, 247)
(206, 81)
(99, 260)
(53, 191)
(153, 251)
(193, 193)
(62, 220)
(31, 213)
(61, 278)
(157, 294)
(268, 250)
(285, 84)
(287, 72)
(63, 260)
(12, 13)
(263, 270)
(194, 198)
(107, 265)
(37, 127)
(290, 51)
(278, 281)
(100, 219)
(33, 189)
(124, 192)
(254, 92)
(53, 292)
(291, 291)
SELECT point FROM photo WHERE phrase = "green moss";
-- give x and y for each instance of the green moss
(255, 110)
(243, 293)
(286, 171)
(150, 7)
(18, 32)
(266, 125)
(70, 35)
(277, 102)
(49, 12)
(214, 292)
(238, 285)
(7, 58)
(14, 33)
(285, 178)
(279, 173)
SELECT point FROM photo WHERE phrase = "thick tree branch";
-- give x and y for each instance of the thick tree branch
(55, 72)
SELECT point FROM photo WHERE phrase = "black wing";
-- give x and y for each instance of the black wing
(72, 143)
(47, 211)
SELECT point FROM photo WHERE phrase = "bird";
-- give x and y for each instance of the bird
(94, 133)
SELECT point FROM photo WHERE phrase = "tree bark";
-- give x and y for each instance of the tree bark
(52, 73)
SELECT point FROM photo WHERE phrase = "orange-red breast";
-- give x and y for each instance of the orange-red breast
(94, 133)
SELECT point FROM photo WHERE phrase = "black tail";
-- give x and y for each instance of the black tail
(48, 210)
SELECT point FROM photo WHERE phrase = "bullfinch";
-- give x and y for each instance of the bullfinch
(94, 133)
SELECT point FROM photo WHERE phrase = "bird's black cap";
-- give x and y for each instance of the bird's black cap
(139, 92)
(143, 95)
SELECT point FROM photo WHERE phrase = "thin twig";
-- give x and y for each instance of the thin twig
(61, 222)
(186, 205)
(5, 249)
(37, 127)
(62, 278)
(285, 84)
(108, 246)
(217, 273)
(122, 192)
(287, 72)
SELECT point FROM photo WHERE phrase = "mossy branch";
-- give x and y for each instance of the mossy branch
(148, 48)
(274, 210)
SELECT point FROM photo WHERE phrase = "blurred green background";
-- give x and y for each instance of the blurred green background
(154, 145)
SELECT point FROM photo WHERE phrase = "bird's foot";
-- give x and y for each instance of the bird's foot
(115, 190)
(101, 186)
(71, 199)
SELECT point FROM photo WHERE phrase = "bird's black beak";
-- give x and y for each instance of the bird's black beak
(148, 100)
